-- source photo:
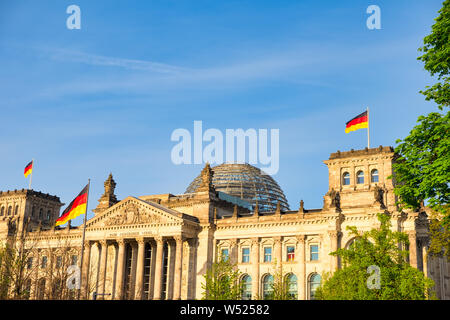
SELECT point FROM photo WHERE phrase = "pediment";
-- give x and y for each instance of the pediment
(134, 211)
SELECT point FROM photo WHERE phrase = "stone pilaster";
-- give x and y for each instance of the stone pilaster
(278, 251)
(301, 267)
(334, 237)
(255, 267)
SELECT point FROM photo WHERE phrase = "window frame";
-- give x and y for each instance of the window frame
(346, 177)
(290, 256)
(267, 255)
(359, 179)
(311, 245)
(373, 174)
(222, 256)
(247, 256)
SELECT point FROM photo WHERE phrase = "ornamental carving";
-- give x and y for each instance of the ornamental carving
(132, 215)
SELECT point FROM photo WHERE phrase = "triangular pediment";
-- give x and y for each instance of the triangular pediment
(134, 211)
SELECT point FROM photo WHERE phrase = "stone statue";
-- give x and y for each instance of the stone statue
(335, 198)
(378, 195)
(11, 226)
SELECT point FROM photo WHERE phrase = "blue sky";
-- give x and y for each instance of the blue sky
(106, 98)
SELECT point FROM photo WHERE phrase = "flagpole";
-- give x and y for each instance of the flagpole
(31, 175)
(82, 240)
(368, 129)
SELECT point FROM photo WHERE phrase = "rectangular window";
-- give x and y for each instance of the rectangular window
(224, 254)
(267, 254)
(29, 263)
(58, 262)
(245, 255)
(44, 262)
(290, 253)
(74, 260)
(314, 252)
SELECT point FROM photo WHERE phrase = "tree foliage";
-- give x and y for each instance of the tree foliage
(422, 170)
(380, 248)
(222, 282)
(436, 57)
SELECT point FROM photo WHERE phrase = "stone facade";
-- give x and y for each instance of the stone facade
(159, 246)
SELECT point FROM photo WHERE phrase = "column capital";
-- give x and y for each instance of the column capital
(103, 242)
(333, 234)
(140, 241)
(120, 242)
(255, 241)
(87, 245)
(301, 238)
(159, 240)
(179, 238)
(233, 242)
(277, 239)
(411, 233)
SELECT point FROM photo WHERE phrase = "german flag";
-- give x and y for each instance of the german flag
(75, 208)
(28, 169)
(359, 122)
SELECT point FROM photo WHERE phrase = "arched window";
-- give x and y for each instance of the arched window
(360, 177)
(9, 210)
(49, 215)
(314, 283)
(346, 179)
(246, 287)
(41, 289)
(16, 211)
(41, 214)
(352, 242)
(2, 211)
(27, 289)
(267, 285)
(374, 175)
(291, 283)
(33, 211)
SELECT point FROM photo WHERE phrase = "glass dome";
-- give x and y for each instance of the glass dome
(248, 183)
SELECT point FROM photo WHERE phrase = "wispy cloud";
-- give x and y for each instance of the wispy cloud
(99, 60)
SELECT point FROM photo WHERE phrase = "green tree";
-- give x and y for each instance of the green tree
(436, 57)
(375, 254)
(222, 282)
(422, 169)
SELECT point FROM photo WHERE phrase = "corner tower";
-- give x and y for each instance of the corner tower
(360, 178)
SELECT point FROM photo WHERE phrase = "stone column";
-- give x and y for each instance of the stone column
(424, 258)
(140, 269)
(120, 269)
(302, 268)
(178, 267)
(85, 276)
(158, 268)
(255, 268)
(334, 236)
(412, 248)
(103, 261)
